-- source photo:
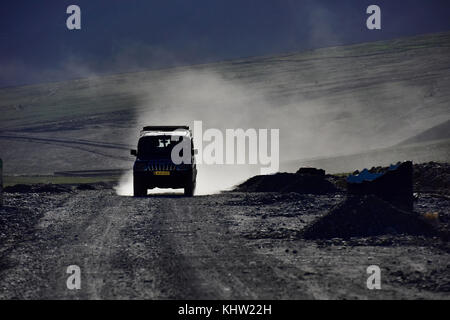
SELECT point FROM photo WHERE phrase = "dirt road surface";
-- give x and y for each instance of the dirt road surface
(228, 246)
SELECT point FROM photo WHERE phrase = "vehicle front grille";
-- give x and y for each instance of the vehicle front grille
(161, 166)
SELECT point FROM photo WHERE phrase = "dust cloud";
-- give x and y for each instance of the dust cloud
(323, 107)
(184, 97)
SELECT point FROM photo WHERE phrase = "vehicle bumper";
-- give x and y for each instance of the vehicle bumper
(176, 179)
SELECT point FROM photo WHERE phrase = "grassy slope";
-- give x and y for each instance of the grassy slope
(339, 100)
(438, 151)
(14, 180)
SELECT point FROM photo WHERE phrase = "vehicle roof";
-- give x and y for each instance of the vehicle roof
(181, 133)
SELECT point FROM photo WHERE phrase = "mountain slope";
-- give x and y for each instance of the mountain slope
(326, 102)
(439, 132)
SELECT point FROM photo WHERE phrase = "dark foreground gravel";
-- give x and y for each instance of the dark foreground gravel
(227, 246)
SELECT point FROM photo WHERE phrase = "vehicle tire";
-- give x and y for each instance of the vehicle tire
(189, 189)
(139, 190)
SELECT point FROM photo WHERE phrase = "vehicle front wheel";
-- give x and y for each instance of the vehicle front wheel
(139, 190)
(189, 189)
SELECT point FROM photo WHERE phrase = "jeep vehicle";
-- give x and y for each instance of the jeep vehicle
(154, 167)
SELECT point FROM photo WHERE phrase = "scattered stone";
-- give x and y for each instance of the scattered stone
(86, 187)
(432, 177)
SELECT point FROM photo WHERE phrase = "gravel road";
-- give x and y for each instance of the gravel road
(227, 246)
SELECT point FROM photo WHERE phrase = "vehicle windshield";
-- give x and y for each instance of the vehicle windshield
(156, 147)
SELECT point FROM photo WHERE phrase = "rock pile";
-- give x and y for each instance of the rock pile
(432, 177)
(300, 182)
(393, 184)
(366, 216)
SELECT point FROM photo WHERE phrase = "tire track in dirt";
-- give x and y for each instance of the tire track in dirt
(198, 268)
(212, 261)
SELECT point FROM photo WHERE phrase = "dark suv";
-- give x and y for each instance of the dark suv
(154, 167)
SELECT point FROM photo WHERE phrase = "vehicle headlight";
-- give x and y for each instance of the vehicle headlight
(182, 167)
(140, 166)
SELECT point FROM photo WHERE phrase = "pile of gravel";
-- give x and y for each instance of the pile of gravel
(432, 177)
(288, 182)
(366, 216)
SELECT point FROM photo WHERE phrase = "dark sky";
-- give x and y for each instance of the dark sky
(128, 35)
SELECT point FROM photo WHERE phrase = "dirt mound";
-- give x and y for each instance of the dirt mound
(432, 177)
(38, 188)
(311, 171)
(94, 186)
(288, 182)
(365, 217)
